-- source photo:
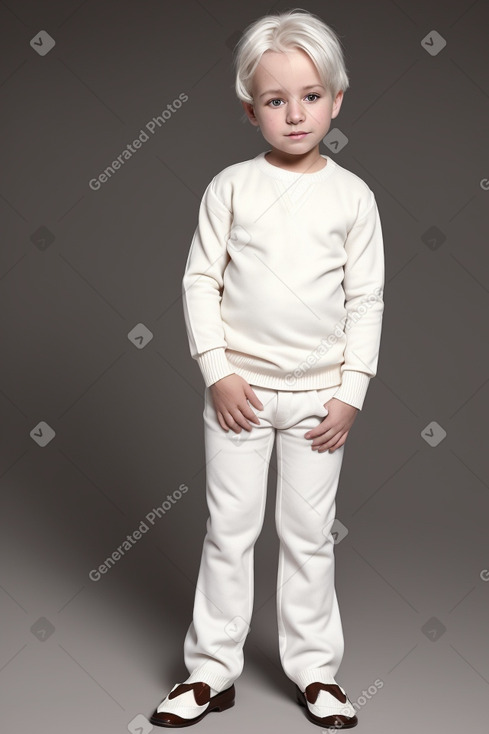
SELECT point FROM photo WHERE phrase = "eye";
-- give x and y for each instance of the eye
(270, 103)
(313, 94)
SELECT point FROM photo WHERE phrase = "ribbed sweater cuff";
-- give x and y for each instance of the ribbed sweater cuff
(214, 365)
(353, 388)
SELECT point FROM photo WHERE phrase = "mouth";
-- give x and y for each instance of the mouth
(297, 135)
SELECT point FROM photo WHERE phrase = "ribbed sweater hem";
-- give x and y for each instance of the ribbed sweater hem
(218, 363)
(246, 367)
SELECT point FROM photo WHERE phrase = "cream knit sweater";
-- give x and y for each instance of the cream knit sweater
(284, 279)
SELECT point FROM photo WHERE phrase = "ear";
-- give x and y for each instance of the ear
(337, 104)
(250, 113)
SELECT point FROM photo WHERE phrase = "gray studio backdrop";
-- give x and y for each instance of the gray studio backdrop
(101, 403)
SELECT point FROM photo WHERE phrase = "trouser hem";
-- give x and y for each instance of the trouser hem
(218, 682)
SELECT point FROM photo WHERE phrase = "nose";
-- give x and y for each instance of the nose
(295, 111)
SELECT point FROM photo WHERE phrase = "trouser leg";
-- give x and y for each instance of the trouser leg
(236, 483)
(310, 630)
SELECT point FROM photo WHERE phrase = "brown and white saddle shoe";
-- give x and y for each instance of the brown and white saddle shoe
(188, 703)
(327, 705)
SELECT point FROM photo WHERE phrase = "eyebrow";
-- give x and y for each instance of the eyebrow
(280, 91)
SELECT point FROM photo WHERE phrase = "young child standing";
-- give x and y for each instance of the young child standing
(283, 305)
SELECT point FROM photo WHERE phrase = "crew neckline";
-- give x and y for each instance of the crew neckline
(285, 175)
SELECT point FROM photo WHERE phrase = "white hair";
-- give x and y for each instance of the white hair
(284, 32)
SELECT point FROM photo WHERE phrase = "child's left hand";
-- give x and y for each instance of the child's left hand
(333, 430)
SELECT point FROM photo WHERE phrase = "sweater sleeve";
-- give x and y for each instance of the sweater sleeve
(202, 286)
(363, 285)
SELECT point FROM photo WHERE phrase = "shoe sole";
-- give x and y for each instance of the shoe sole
(335, 724)
(220, 702)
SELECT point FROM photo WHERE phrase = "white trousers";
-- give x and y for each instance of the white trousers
(309, 625)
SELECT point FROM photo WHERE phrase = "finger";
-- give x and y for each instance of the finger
(222, 422)
(342, 441)
(338, 445)
(326, 440)
(241, 421)
(317, 431)
(334, 444)
(236, 421)
(253, 398)
(250, 415)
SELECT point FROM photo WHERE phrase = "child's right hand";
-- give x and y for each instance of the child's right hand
(230, 395)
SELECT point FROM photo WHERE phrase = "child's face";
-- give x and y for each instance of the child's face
(288, 97)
